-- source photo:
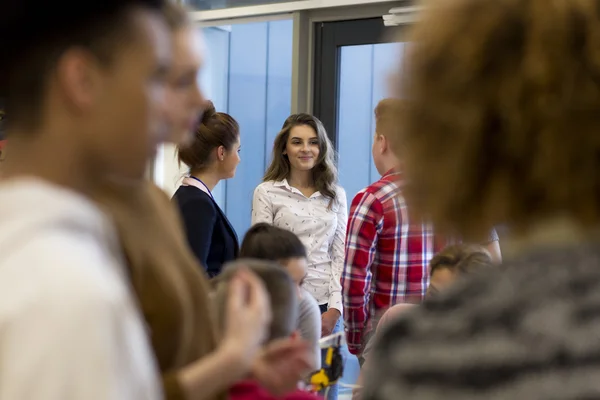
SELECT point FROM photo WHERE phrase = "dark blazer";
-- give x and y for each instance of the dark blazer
(209, 233)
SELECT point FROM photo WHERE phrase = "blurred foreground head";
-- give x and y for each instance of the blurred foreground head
(504, 119)
(279, 285)
(88, 76)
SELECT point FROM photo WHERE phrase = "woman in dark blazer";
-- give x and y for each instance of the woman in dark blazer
(212, 155)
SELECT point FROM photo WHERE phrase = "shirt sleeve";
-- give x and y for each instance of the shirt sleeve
(309, 325)
(493, 236)
(262, 207)
(366, 215)
(199, 217)
(337, 252)
(73, 335)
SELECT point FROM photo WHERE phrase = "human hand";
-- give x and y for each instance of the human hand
(248, 316)
(328, 321)
(282, 364)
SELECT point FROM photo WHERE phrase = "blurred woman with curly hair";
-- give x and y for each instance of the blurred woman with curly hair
(504, 127)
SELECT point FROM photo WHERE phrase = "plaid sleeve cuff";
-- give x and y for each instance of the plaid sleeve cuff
(353, 340)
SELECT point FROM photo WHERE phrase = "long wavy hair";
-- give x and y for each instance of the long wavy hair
(325, 174)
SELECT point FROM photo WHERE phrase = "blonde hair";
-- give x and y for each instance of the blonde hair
(387, 115)
(504, 113)
(324, 172)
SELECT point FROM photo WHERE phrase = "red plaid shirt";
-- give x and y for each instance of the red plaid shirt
(387, 256)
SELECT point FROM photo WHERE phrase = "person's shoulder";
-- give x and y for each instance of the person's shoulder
(383, 190)
(265, 189)
(339, 190)
(192, 197)
(392, 313)
(308, 304)
(366, 199)
(187, 191)
(340, 195)
(266, 185)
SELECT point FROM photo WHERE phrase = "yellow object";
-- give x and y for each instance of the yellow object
(331, 370)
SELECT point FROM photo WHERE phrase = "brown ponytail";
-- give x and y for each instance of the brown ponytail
(215, 129)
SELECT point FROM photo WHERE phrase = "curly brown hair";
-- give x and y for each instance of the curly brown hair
(504, 117)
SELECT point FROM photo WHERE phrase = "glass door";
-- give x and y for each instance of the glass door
(353, 63)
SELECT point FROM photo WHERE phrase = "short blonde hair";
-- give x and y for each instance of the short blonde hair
(387, 115)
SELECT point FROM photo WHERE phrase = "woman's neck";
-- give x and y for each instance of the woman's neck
(209, 178)
(301, 179)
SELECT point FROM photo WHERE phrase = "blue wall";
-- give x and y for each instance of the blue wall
(364, 81)
(249, 75)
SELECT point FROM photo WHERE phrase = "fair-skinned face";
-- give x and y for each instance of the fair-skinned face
(379, 151)
(302, 148)
(228, 160)
(297, 268)
(124, 104)
(185, 97)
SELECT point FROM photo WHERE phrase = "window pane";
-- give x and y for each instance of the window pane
(249, 75)
(220, 4)
(363, 82)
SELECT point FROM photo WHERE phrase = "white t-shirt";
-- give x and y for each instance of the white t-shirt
(69, 326)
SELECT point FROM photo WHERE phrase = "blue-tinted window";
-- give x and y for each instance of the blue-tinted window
(364, 80)
(220, 4)
(249, 75)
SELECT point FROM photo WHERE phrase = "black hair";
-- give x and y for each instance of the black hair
(35, 33)
(267, 242)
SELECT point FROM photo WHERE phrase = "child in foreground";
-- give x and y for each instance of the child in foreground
(267, 242)
(284, 305)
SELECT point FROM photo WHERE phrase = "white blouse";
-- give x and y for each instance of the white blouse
(321, 230)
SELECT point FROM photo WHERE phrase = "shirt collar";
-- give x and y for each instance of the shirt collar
(285, 184)
(188, 181)
(392, 172)
(282, 183)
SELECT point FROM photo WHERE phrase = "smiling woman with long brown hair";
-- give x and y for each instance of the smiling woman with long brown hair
(503, 128)
(300, 193)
